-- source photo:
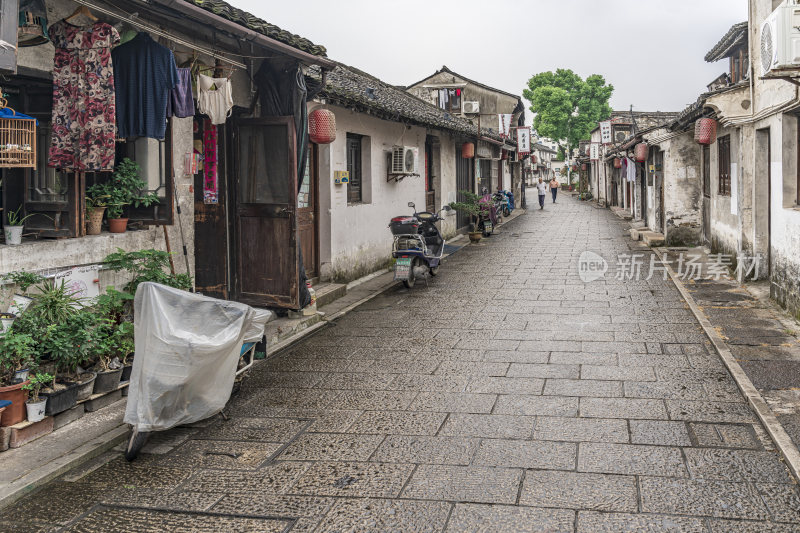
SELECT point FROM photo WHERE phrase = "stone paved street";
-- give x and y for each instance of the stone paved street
(506, 395)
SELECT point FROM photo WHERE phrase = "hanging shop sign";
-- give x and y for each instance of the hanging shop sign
(605, 132)
(594, 151)
(524, 140)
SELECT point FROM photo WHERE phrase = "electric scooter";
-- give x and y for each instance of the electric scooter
(418, 245)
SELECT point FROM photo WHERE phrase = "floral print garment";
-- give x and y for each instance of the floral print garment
(84, 114)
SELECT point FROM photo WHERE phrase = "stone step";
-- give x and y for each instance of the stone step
(653, 239)
(328, 292)
(638, 224)
(635, 234)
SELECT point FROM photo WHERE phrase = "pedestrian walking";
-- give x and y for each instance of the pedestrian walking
(542, 186)
(554, 188)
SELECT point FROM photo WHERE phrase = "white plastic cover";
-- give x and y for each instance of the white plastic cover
(187, 350)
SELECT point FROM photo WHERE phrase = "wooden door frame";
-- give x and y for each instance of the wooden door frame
(313, 150)
(236, 264)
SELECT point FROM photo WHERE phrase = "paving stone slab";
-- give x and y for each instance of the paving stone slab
(356, 381)
(736, 465)
(667, 390)
(464, 484)
(526, 454)
(398, 423)
(696, 411)
(469, 368)
(489, 426)
(594, 522)
(581, 429)
(502, 385)
(477, 518)
(331, 447)
(739, 526)
(63, 502)
(435, 383)
(426, 450)
(518, 404)
(724, 436)
(632, 459)
(379, 480)
(253, 429)
(631, 408)
(659, 432)
(583, 387)
(123, 520)
(229, 455)
(453, 402)
(520, 370)
(375, 399)
(274, 478)
(324, 420)
(581, 358)
(177, 501)
(696, 497)
(378, 516)
(308, 509)
(576, 490)
(783, 501)
(516, 356)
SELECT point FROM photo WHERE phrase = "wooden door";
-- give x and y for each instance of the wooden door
(307, 216)
(464, 182)
(430, 192)
(707, 194)
(265, 204)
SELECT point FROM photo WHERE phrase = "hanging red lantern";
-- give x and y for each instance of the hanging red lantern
(468, 150)
(322, 126)
(640, 152)
(705, 131)
(617, 162)
(504, 155)
(533, 159)
(584, 166)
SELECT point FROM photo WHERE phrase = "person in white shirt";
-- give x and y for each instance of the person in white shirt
(542, 186)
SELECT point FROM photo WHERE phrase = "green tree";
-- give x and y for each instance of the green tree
(567, 107)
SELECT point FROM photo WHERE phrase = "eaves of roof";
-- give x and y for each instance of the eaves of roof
(736, 36)
(479, 84)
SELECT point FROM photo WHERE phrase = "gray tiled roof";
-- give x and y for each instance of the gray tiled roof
(353, 88)
(736, 35)
(243, 18)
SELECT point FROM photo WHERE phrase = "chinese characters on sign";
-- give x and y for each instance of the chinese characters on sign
(605, 132)
(524, 140)
(594, 151)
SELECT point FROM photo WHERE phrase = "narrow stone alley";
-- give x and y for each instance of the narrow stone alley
(504, 395)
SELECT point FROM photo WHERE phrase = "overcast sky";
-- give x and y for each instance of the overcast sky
(650, 50)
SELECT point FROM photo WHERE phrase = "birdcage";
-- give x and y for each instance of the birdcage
(17, 138)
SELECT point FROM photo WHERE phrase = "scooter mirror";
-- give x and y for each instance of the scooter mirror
(411, 205)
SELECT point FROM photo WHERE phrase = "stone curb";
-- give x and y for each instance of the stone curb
(777, 433)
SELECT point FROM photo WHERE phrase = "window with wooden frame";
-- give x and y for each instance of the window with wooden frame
(724, 165)
(355, 182)
(739, 61)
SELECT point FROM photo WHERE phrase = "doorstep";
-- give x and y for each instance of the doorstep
(652, 238)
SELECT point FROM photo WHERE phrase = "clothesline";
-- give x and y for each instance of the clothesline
(160, 33)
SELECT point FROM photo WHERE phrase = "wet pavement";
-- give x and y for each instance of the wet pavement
(504, 395)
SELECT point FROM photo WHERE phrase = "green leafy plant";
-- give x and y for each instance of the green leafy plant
(54, 303)
(68, 343)
(124, 188)
(14, 218)
(471, 206)
(109, 340)
(37, 381)
(23, 279)
(17, 351)
(146, 265)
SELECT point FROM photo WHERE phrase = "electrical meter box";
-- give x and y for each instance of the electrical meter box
(341, 176)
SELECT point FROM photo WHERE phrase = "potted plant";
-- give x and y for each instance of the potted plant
(123, 189)
(13, 229)
(67, 343)
(96, 203)
(21, 280)
(17, 351)
(470, 206)
(35, 404)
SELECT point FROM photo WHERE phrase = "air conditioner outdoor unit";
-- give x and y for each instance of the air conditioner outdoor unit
(404, 160)
(472, 108)
(780, 40)
(620, 136)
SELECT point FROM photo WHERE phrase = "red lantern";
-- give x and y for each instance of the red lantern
(504, 155)
(705, 131)
(322, 126)
(584, 166)
(533, 159)
(617, 162)
(640, 152)
(468, 150)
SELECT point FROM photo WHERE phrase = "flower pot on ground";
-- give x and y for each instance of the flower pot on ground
(63, 396)
(36, 405)
(475, 236)
(107, 381)
(14, 413)
(86, 383)
(13, 235)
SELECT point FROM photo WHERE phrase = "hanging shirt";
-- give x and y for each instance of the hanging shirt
(215, 98)
(181, 99)
(83, 97)
(145, 73)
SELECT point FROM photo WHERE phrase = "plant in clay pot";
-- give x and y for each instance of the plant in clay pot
(470, 206)
(36, 404)
(124, 188)
(96, 203)
(16, 350)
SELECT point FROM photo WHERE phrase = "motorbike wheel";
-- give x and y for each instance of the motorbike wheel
(434, 271)
(412, 278)
(506, 212)
(135, 444)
